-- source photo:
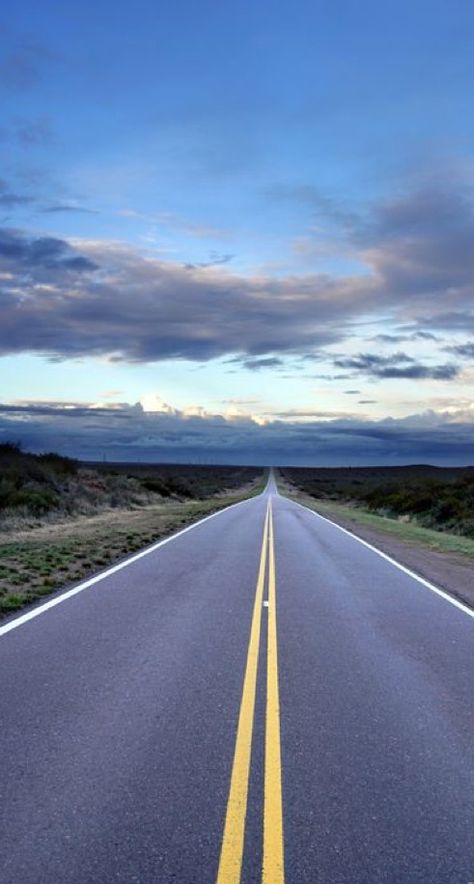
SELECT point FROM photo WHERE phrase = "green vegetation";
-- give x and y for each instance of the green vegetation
(361, 521)
(433, 498)
(61, 521)
(31, 483)
(189, 482)
(34, 486)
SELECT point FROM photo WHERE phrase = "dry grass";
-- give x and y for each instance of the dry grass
(440, 499)
(409, 532)
(36, 561)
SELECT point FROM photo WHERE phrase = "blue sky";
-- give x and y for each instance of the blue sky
(253, 223)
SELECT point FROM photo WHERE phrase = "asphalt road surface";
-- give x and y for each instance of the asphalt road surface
(261, 698)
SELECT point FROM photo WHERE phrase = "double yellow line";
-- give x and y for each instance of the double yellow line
(230, 865)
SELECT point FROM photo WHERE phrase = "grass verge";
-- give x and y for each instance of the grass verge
(38, 561)
(350, 517)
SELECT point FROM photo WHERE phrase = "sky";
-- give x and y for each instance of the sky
(238, 232)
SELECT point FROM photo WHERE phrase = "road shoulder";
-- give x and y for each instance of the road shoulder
(450, 570)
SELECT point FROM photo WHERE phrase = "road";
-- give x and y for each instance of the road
(261, 698)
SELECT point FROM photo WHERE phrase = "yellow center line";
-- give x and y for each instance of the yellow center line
(273, 857)
(230, 864)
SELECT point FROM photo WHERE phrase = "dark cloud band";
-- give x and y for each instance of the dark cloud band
(127, 432)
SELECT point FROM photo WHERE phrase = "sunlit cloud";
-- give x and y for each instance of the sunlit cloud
(132, 432)
(108, 299)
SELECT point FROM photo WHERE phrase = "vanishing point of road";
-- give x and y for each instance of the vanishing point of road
(260, 698)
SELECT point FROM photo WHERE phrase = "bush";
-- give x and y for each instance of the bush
(36, 501)
(438, 498)
(63, 466)
(158, 486)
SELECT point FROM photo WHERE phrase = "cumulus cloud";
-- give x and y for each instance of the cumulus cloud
(129, 432)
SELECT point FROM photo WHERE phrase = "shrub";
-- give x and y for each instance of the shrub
(63, 466)
(36, 501)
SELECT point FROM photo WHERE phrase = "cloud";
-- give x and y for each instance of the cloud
(215, 259)
(422, 244)
(31, 132)
(130, 306)
(22, 66)
(175, 222)
(256, 364)
(9, 199)
(312, 414)
(465, 351)
(110, 394)
(142, 309)
(453, 320)
(317, 200)
(398, 365)
(128, 432)
(239, 401)
(402, 338)
(423, 336)
(419, 248)
(46, 253)
(28, 132)
(69, 208)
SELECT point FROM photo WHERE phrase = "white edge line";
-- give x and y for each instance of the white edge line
(41, 609)
(444, 595)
